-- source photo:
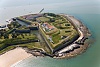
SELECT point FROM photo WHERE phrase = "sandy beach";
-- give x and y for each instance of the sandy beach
(13, 56)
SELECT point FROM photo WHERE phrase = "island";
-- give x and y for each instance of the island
(45, 34)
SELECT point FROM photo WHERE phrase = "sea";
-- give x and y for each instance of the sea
(87, 11)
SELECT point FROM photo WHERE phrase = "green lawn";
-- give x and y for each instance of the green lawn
(27, 36)
(56, 38)
(43, 19)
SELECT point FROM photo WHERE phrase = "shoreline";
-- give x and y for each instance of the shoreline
(83, 31)
(13, 56)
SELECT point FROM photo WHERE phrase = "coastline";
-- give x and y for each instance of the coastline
(13, 56)
(83, 31)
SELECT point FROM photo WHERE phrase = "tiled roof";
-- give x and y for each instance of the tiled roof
(48, 25)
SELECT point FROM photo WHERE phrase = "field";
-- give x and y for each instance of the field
(65, 29)
(43, 19)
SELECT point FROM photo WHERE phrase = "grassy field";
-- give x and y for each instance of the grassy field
(64, 28)
(27, 36)
(43, 19)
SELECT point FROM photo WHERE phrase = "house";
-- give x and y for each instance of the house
(47, 26)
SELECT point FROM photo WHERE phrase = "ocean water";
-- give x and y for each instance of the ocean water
(87, 11)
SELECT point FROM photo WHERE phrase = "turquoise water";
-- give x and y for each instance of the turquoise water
(88, 11)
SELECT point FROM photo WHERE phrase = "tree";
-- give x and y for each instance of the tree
(9, 26)
(6, 36)
(22, 35)
(0, 35)
(2, 32)
(52, 14)
(14, 35)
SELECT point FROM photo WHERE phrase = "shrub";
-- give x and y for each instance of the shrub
(67, 24)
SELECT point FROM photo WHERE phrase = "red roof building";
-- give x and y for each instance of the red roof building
(48, 26)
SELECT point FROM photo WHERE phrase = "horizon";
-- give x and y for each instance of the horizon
(13, 8)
